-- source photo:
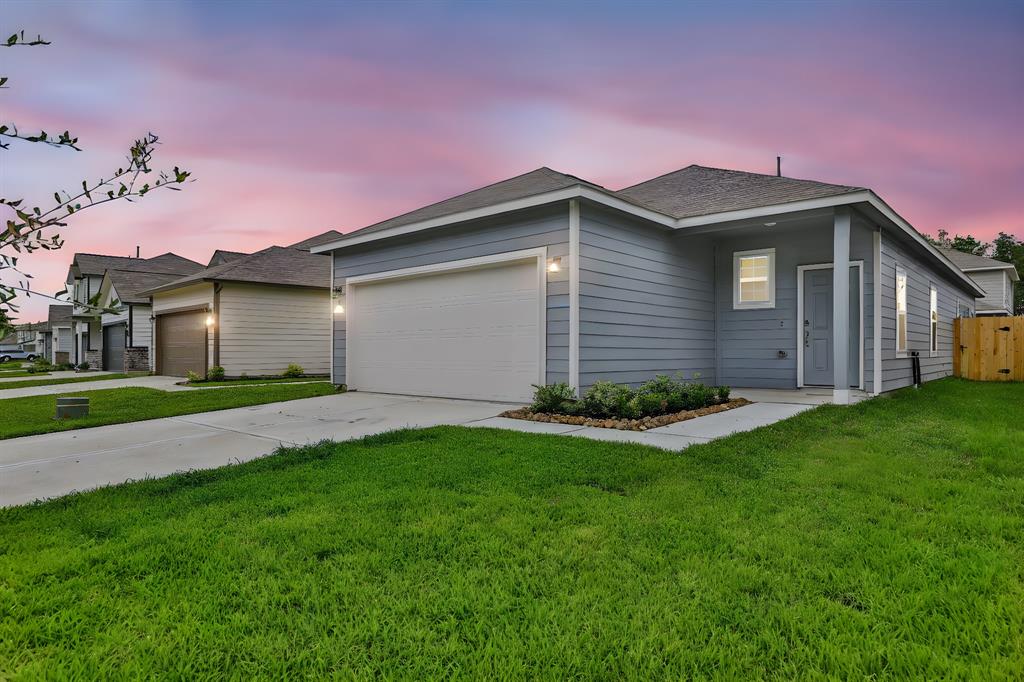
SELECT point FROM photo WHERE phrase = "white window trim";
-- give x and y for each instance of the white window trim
(933, 310)
(901, 352)
(736, 256)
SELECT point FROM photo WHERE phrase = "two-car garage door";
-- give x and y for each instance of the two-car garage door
(466, 333)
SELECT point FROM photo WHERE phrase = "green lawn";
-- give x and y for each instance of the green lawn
(244, 382)
(884, 540)
(52, 382)
(34, 414)
(12, 374)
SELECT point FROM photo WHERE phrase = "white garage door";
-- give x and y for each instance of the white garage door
(460, 334)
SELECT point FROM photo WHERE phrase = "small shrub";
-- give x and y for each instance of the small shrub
(243, 376)
(553, 398)
(65, 366)
(32, 369)
(723, 393)
(84, 366)
(605, 399)
(650, 404)
(215, 373)
(293, 371)
(193, 377)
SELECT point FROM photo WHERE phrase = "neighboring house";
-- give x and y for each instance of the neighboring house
(60, 334)
(251, 314)
(85, 277)
(734, 278)
(995, 277)
(32, 338)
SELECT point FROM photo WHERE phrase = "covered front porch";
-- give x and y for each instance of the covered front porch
(794, 300)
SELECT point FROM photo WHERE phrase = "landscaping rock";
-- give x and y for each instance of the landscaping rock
(643, 424)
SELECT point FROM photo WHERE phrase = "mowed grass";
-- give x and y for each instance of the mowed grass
(34, 414)
(67, 380)
(884, 540)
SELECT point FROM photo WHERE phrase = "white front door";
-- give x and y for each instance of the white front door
(473, 333)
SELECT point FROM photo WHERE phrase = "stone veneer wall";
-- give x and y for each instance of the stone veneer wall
(136, 359)
(94, 358)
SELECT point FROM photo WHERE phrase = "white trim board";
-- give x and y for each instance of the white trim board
(800, 270)
(540, 254)
(876, 352)
(574, 295)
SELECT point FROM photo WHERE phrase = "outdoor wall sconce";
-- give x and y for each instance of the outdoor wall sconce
(555, 265)
(338, 295)
(209, 320)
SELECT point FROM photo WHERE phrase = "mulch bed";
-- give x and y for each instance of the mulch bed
(642, 424)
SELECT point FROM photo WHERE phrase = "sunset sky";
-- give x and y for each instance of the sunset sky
(298, 117)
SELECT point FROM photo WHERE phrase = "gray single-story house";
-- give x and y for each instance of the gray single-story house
(728, 277)
(994, 276)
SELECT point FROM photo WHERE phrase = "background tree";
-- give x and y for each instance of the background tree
(1009, 249)
(966, 243)
(30, 228)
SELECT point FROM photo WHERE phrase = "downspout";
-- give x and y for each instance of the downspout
(131, 324)
(714, 288)
(217, 286)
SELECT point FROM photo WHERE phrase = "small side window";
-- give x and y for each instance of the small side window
(901, 310)
(753, 274)
(933, 321)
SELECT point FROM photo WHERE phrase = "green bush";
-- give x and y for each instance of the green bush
(723, 393)
(84, 366)
(554, 398)
(193, 377)
(605, 399)
(650, 404)
(65, 366)
(215, 373)
(294, 371)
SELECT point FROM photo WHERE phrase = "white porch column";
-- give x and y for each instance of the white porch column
(841, 306)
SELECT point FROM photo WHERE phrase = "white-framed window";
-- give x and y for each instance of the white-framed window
(901, 310)
(963, 308)
(753, 279)
(933, 321)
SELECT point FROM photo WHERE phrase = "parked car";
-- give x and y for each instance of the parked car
(8, 354)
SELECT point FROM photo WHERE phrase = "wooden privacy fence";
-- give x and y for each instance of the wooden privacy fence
(989, 348)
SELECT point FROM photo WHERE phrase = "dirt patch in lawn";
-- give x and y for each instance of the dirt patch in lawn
(642, 424)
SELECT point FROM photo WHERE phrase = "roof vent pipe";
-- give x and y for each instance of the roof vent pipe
(778, 166)
(136, 251)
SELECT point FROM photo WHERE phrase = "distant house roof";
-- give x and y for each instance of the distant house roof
(699, 190)
(60, 316)
(220, 256)
(279, 265)
(968, 262)
(316, 240)
(170, 263)
(9, 340)
(129, 285)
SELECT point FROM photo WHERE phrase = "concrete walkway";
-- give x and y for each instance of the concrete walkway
(54, 464)
(50, 465)
(142, 381)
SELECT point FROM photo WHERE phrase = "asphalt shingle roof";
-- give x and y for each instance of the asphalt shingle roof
(220, 256)
(316, 240)
(274, 265)
(60, 316)
(968, 261)
(699, 190)
(169, 263)
(535, 182)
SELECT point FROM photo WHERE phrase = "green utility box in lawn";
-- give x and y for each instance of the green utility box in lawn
(72, 408)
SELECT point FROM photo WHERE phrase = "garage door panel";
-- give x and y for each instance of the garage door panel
(181, 343)
(467, 334)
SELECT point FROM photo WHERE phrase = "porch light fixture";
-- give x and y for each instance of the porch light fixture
(339, 309)
(338, 294)
(209, 320)
(555, 265)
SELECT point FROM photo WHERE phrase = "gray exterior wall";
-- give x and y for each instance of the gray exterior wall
(646, 301)
(749, 340)
(998, 290)
(896, 368)
(544, 226)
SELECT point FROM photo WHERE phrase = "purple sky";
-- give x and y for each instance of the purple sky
(300, 117)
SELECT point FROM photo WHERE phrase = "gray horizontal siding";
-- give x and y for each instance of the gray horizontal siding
(749, 341)
(546, 226)
(646, 301)
(998, 288)
(896, 369)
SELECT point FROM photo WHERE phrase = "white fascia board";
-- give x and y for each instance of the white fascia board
(574, 192)
(1010, 270)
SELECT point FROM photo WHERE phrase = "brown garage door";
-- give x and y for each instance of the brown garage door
(181, 343)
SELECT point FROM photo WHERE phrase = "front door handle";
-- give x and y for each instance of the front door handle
(807, 338)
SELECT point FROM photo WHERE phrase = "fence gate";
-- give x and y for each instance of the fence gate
(989, 348)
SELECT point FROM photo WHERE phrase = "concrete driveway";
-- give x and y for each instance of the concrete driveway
(55, 464)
